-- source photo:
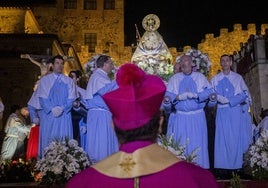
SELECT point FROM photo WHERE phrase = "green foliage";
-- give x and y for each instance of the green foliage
(235, 181)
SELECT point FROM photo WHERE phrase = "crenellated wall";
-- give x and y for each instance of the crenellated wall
(227, 42)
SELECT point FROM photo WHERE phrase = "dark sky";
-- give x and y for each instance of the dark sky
(186, 22)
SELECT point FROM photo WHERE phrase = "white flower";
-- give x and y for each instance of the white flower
(62, 159)
(201, 61)
(257, 157)
(170, 144)
(161, 69)
(90, 66)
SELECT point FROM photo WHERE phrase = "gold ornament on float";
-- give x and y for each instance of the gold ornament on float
(151, 22)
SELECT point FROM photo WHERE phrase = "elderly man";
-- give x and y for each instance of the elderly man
(188, 91)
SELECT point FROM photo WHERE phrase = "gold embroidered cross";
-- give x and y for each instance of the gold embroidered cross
(127, 164)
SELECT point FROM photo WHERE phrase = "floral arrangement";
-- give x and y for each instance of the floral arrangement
(62, 159)
(90, 66)
(168, 142)
(162, 69)
(201, 61)
(256, 158)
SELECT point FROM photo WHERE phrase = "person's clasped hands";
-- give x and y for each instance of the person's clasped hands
(166, 100)
(191, 95)
(186, 95)
(57, 111)
(221, 99)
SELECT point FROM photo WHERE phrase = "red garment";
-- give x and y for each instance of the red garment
(32, 147)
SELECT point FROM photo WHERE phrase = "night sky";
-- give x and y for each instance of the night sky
(186, 22)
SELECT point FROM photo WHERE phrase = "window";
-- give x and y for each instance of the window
(90, 4)
(70, 4)
(91, 41)
(109, 4)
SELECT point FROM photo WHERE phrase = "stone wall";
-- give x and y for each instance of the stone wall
(71, 25)
(252, 64)
(12, 20)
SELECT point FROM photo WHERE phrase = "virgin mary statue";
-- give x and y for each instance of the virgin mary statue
(152, 54)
